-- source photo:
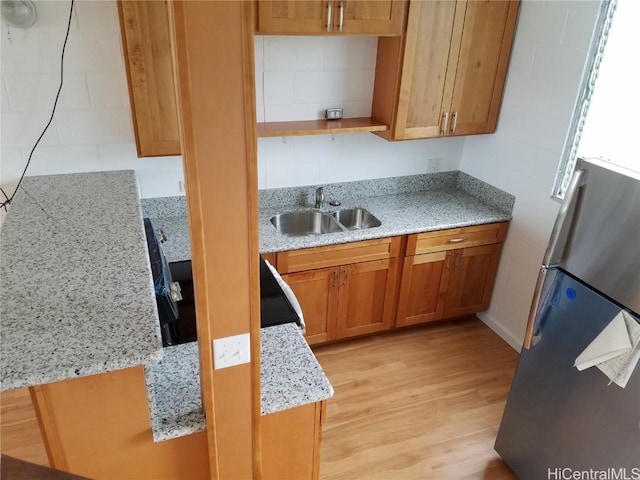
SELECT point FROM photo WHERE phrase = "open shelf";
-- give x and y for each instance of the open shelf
(319, 127)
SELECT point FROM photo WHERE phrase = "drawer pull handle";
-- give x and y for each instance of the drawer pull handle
(336, 275)
(346, 276)
(457, 240)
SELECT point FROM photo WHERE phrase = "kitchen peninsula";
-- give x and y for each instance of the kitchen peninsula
(80, 328)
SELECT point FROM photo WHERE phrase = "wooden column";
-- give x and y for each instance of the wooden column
(213, 56)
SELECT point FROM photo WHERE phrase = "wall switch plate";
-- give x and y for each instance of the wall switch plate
(333, 113)
(231, 351)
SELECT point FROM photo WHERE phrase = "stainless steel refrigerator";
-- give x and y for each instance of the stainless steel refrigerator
(558, 419)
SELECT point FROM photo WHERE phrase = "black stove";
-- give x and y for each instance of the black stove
(275, 308)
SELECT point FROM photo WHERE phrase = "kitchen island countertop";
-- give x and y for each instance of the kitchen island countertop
(76, 297)
(290, 377)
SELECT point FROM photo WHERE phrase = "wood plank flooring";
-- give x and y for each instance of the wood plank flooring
(19, 431)
(420, 403)
(423, 403)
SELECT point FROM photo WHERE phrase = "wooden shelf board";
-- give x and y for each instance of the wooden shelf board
(319, 127)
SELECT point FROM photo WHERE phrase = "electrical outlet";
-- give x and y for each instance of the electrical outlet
(433, 165)
(231, 351)
(333, 113)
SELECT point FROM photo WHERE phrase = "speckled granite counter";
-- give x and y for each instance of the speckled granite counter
(404, 205)
(291, 377)
(76, 296)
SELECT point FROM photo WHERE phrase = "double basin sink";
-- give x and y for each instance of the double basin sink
(315, 222)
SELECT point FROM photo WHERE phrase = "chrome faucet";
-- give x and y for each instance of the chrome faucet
(319, 197)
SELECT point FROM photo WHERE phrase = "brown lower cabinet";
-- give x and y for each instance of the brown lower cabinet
(344, 290)
(346, 301)
(291, 442)
(99, 427)
(443, 278)
(348, 290)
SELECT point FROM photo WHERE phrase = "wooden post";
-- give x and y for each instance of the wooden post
(213, 56)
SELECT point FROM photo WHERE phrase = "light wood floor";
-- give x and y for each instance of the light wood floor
(423, 403)
(19, 432)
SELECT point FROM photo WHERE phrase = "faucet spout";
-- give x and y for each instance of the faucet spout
(319, 197)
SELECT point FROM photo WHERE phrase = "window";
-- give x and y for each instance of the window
(603, 126)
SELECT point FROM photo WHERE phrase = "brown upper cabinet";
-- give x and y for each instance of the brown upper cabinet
(317, 17)
(447, 77)
(147, 53)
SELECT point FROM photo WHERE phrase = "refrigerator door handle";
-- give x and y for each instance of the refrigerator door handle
(532, 333)
(564, 221)
(554, 253)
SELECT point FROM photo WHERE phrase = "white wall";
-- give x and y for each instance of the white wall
(552, 39)
(92, 128)
(297, 78)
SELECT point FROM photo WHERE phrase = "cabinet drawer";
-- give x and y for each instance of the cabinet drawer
(456, 238)
(341, 254)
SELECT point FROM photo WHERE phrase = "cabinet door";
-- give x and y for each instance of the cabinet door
(427, 68)
(147, 53)
(300, 427)
(293, 17)
(317, 293)
(473, 272)
(482, 66)
(423, 288)
(367, 297)
(373, 17)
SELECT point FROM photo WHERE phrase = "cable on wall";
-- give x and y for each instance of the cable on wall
(8, 199)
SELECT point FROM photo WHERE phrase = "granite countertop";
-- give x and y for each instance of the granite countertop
(290, 377)
(400, 214)
(76, 296)
(404, 205)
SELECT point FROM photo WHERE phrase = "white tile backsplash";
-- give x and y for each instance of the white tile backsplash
(80, 127)
(330, 72)
(21, 52)
(63, 159)
(101, 17)
(29, 92)
(556, 64)
(92, 129)
(278, 88)
(108, 90)
(545, 23)
(22, 129)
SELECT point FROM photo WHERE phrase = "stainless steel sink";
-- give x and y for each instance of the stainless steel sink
(314, 222)
(300, 224)
(356, 219)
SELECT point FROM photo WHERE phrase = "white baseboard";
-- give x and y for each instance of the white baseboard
(506, 335)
